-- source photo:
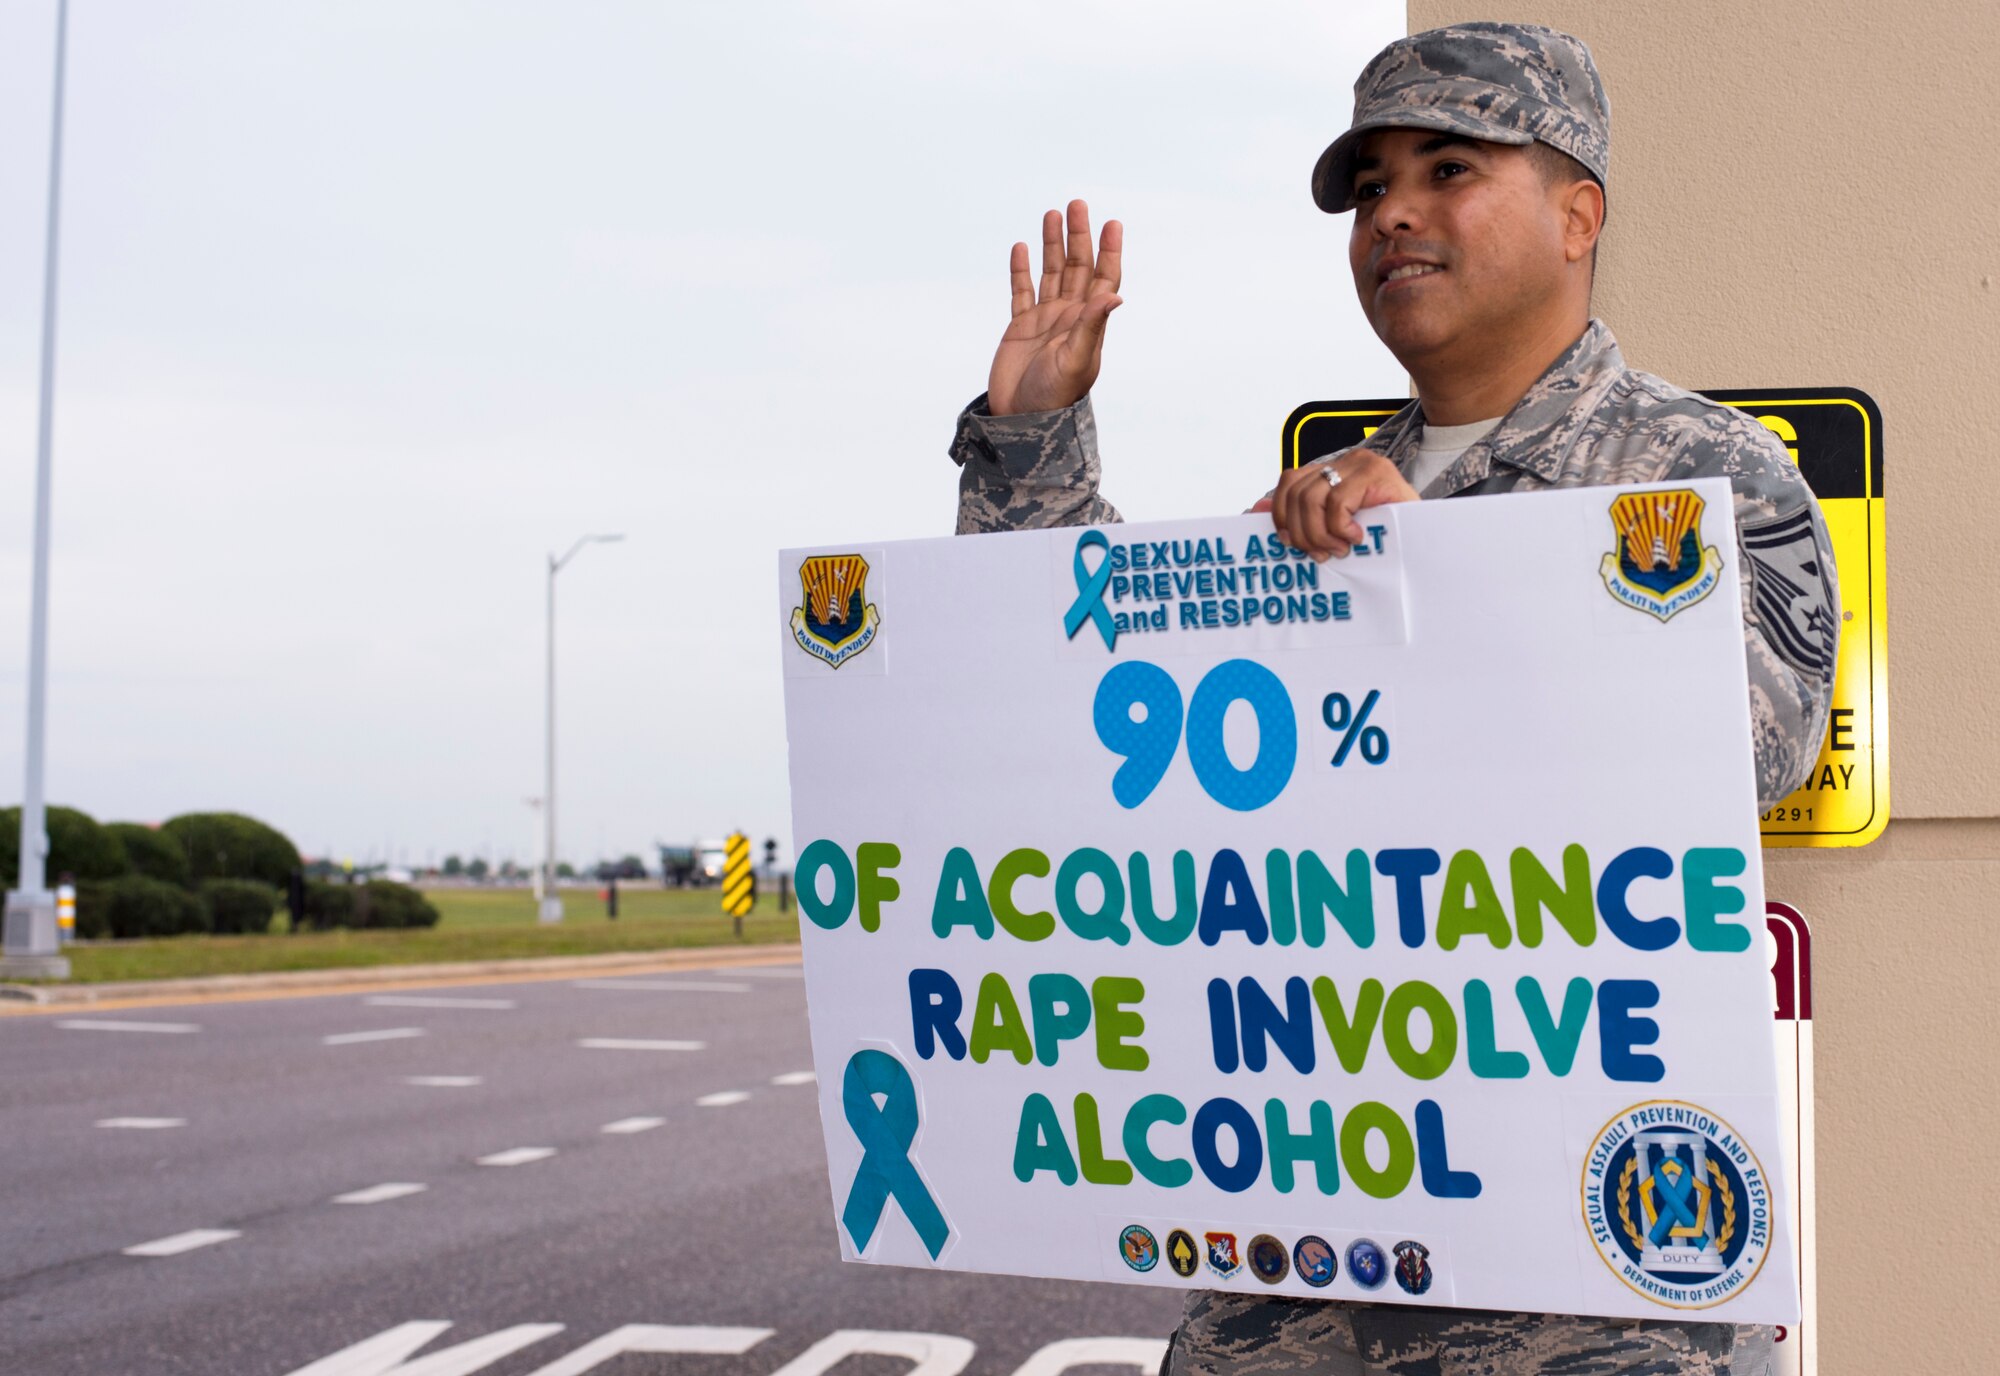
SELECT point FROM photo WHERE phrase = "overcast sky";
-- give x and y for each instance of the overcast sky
(368, 305)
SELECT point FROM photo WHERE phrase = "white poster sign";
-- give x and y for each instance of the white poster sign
(1179, 911)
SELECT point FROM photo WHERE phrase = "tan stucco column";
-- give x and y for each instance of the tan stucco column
(1808, 194)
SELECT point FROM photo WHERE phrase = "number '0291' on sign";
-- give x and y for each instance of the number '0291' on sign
(1374, 929)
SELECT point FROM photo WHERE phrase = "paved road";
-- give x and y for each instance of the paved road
(653, 1182)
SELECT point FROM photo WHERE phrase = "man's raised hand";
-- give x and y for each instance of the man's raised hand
(1049, 357)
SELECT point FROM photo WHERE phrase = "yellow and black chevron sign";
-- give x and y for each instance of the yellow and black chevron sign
(739, 887)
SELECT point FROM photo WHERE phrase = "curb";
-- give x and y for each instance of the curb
(282, 982)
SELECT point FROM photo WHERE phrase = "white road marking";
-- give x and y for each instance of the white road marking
(387, 1352)
(434, 1001)
(142, 1122)
(633, 1125)
(377, 1194)
(1056, 1358)
(772, 971)
(393, 1352)
(675, 986)
(105, 1025)
(794, 1077)
(935, 1354)
(182, 1242)
(444, 1081)
(655, 1337)
(638, 1044)
(517, 1156)
(723, 1099)
(385, 1034)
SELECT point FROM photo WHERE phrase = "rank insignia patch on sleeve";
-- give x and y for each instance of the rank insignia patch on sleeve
(1791, 592)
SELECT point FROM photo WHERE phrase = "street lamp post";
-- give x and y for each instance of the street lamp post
(550, 907)
(28, 939)
(534, 835)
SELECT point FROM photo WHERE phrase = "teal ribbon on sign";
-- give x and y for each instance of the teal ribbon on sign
(1676, 1201)
(1090, 588)
(885, 1133)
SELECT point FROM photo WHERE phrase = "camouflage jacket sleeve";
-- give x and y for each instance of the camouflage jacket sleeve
(1028, 471)
(1791, 599)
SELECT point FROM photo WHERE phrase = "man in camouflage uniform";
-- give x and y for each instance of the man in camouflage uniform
(1476, 166)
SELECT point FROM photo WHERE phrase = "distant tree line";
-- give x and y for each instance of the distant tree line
(201, 872)
(478, 870)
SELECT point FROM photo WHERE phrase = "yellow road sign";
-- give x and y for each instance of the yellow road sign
(1834, 435)
(739, 889)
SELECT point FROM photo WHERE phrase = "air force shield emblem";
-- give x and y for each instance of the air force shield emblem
(1660, 566)
(1223, 1258)
(834, 620)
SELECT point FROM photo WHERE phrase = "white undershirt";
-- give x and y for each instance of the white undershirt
(1439, 447)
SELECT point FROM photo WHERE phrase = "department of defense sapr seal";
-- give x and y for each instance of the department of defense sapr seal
(1677, 1204)
(1660, 565)
(834, 620)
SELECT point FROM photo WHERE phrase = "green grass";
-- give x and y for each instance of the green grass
(516, 907)
(476, 924)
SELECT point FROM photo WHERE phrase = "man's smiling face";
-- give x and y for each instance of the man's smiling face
(1457, 246)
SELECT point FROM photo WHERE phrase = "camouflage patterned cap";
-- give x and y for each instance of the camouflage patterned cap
(1503, 83)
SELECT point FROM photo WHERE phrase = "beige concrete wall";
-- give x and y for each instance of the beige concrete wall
(1808, 194)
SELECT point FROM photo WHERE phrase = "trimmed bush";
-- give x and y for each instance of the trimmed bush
(152, 852)
(328, 906)
(136, 906)
(384, 903)
(241, 907)
(93, 910)
(228, 845)
(378, 903)
(77, 845)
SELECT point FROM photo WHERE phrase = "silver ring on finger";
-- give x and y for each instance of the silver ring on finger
(1332, 475)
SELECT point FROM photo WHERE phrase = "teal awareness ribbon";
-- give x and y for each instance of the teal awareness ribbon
(1676, 1201)
(1090, 590)
(885, 1134)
